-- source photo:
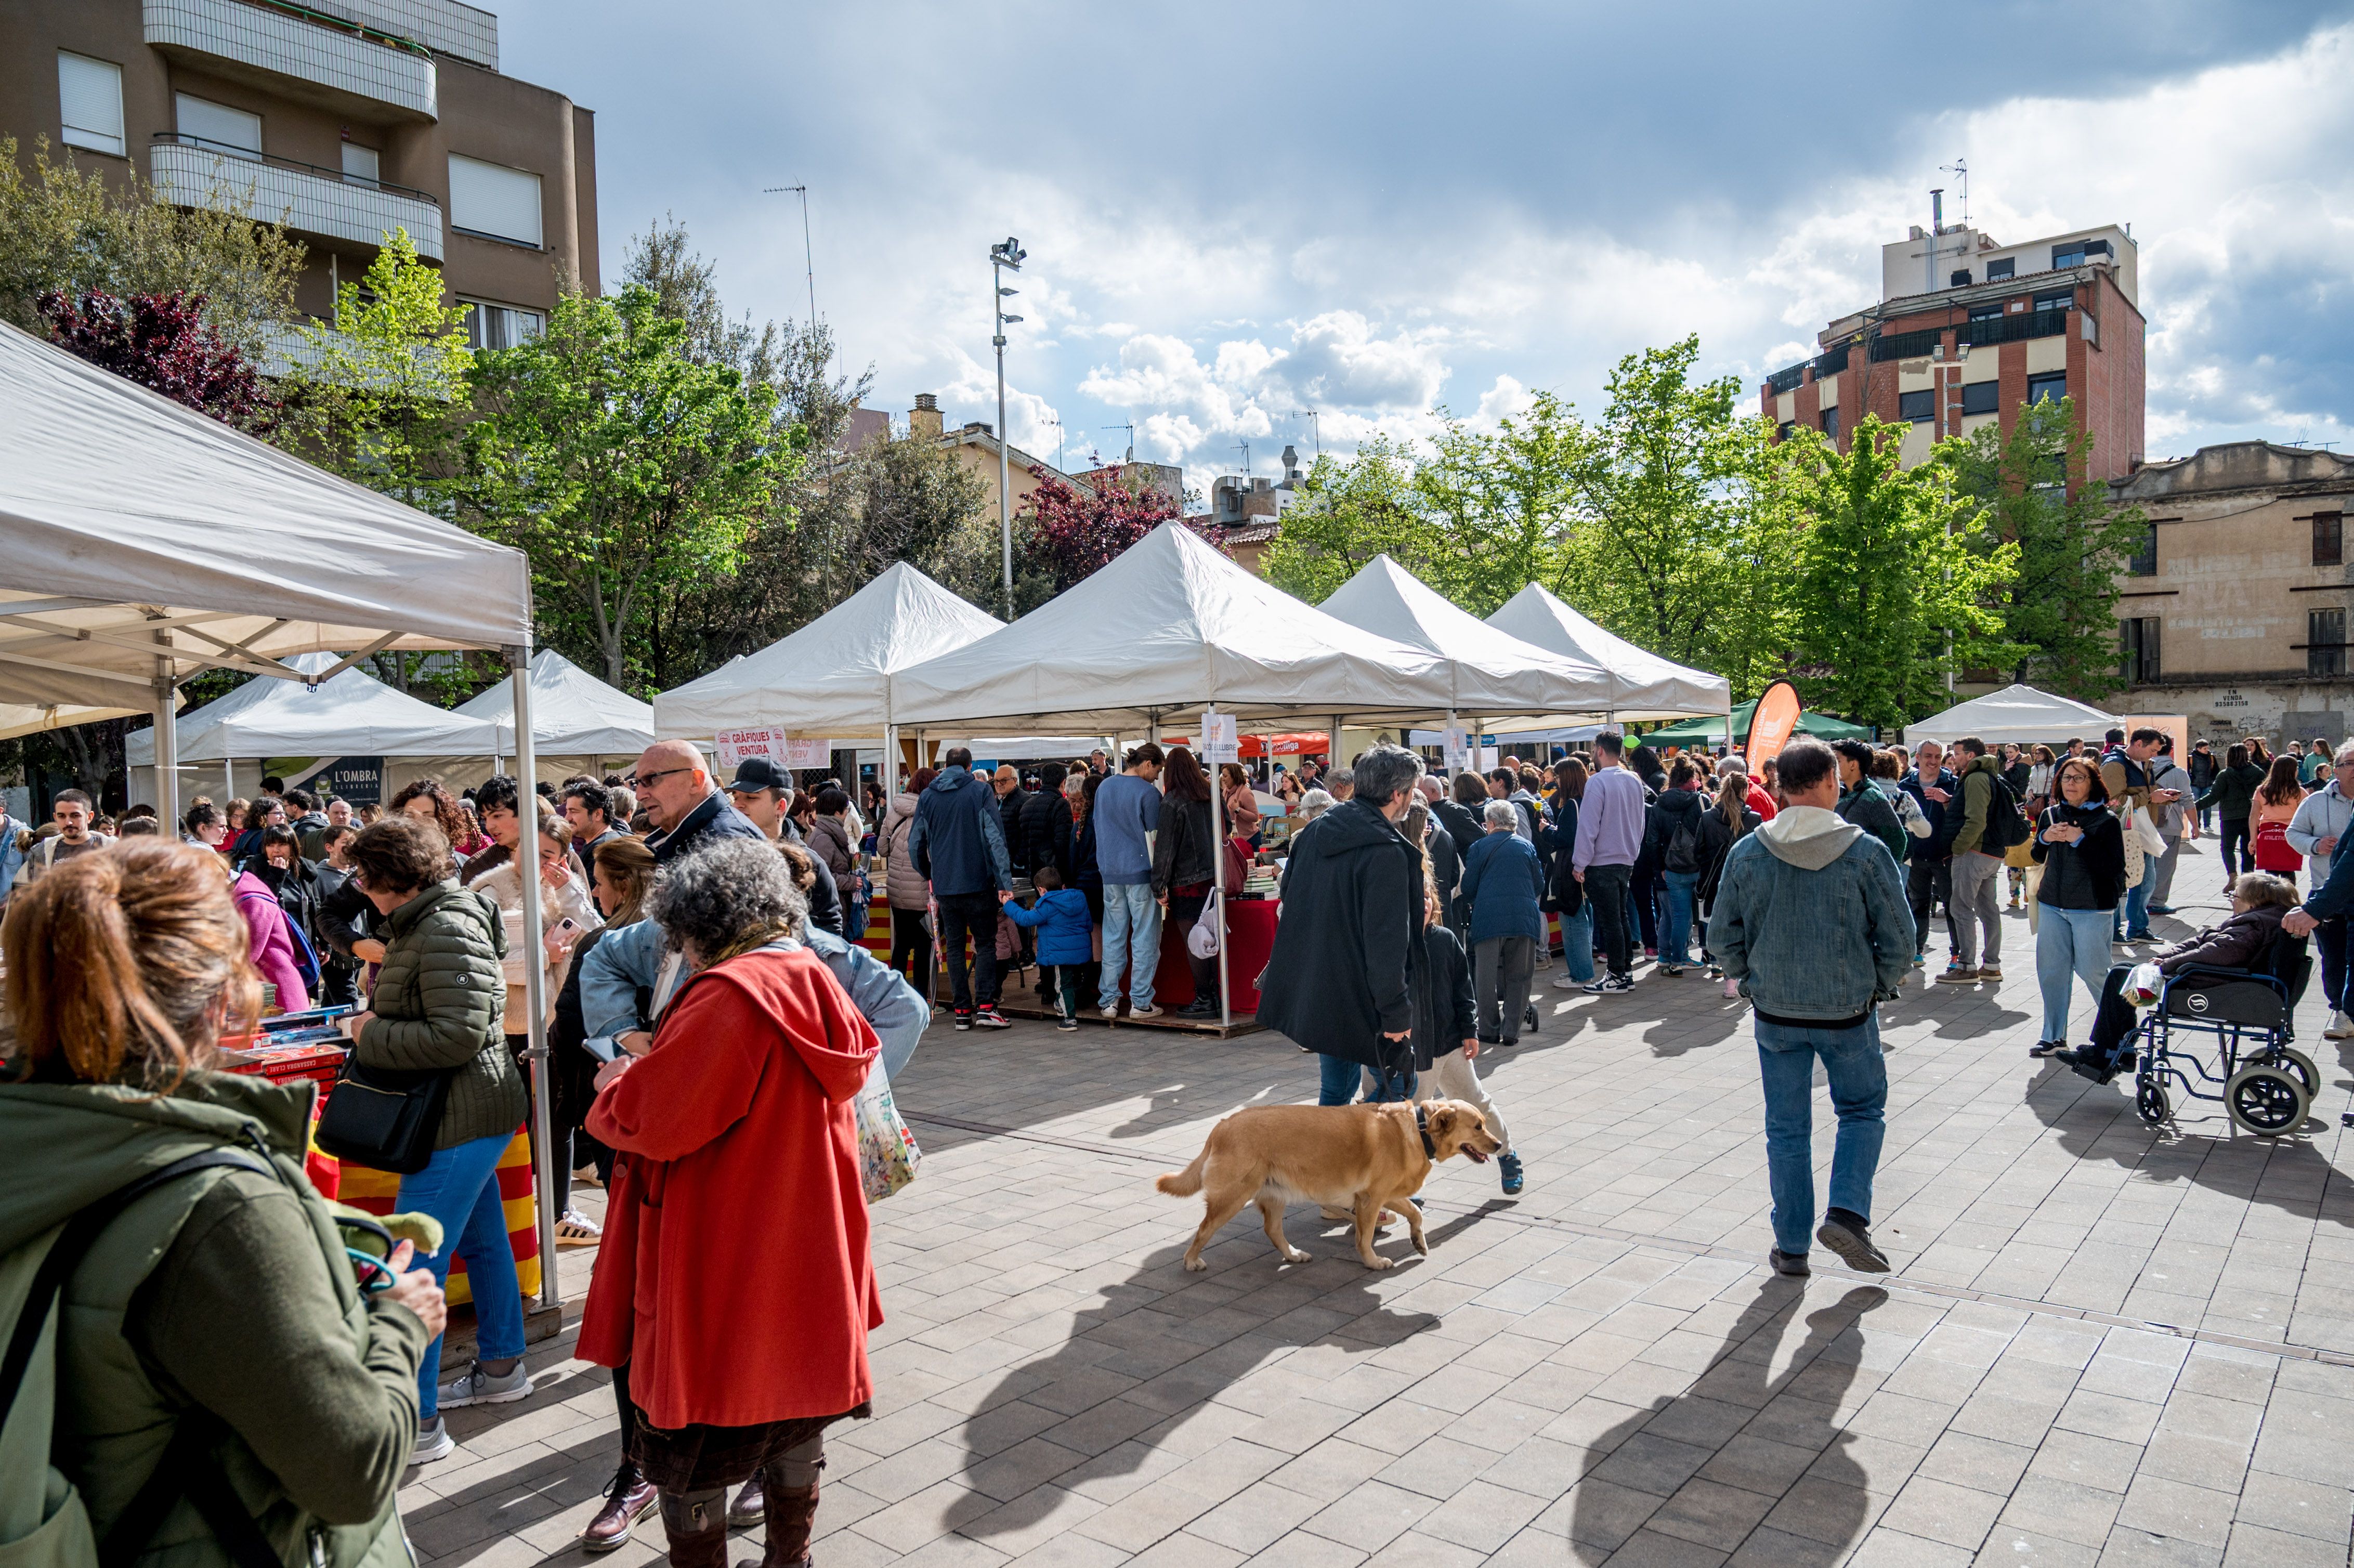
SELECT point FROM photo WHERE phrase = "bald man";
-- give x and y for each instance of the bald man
(682, 804)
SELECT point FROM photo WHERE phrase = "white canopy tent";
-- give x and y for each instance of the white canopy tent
(1491, 672)
(578, 723)
(2021, 714)
(144, 543)
(1643, 685)
(349, 714)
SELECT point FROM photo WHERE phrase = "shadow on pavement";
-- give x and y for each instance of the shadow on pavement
(1170, 1342)
(1735, 1423)
(2201, 1146)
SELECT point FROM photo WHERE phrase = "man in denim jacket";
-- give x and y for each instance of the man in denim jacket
(1810, 919)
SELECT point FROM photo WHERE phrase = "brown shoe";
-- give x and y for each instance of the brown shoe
(626, 1502)
(1989, 972)
(749, 1507)
(792, 1520)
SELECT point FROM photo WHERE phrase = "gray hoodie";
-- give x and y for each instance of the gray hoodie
(1810, 919)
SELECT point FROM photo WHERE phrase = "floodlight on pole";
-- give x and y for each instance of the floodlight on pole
(1002, 258)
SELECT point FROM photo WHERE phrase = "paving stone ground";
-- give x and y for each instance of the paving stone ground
(2103, 1344)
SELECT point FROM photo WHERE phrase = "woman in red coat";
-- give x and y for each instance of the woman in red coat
(734, 1282)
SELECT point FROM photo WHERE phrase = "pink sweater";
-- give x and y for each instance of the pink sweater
(272, 944)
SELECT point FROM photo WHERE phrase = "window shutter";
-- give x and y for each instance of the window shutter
(493, 199)
(89, 95)
(219, 123)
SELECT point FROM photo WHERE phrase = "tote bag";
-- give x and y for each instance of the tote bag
(888, 1155)
(2272, 851)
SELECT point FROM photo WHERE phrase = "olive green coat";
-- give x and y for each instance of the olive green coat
(224, 1291)
(438, 1002)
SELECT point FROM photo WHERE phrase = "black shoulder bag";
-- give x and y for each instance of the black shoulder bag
(384, 1118)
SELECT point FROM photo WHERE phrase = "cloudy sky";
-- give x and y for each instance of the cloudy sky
(1235, 213)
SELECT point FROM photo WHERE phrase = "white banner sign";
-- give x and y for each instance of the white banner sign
(1459, 749)
(1219, 737)
(809, 753)
(736, 745)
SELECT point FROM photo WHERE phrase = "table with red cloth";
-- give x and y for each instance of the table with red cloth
(1250, 938)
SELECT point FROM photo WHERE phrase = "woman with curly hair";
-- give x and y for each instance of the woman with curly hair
(427, 799)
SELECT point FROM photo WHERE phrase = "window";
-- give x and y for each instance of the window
(2071, 254)
(89, 96)
(500, 326)
(1830, 423)
(219, 124)
(2137, 651)
(2055, 299)
(1918, 407)
(362, 165)
(1960, 279)
(494, 200)
(1987, 313)
(1782, 431)
(2143, 562)
(2329, 538)
(2006, 267)
(2324, 642)
(1982, 396)
(2047, 388)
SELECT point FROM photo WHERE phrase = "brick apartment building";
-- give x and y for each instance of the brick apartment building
(1967, 332)
(344, 118)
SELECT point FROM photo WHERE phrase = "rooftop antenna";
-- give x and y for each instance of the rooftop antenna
(1314, 428)
(1130, 427)
(1243, 447)
(1960, 169)
(809, 257)
(1059, 466)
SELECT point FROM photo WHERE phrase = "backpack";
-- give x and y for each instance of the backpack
(2006, 826)
(1683, 847)
(306, 957)
(28, 1386)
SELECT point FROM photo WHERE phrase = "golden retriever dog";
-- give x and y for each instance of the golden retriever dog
(1362, 1157)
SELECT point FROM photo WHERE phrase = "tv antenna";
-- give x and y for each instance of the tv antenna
(1243, 447)
(1960, 169)
(1129, 427)
(1314, 428)
(809, 257)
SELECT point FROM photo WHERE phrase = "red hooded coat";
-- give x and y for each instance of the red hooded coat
(734, 1279)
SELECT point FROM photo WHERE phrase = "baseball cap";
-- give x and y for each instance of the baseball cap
(758, 773)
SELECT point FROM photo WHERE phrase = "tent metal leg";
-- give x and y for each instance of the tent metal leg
(535, 970)
(1218, 872)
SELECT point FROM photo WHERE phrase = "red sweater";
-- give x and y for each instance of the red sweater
(734, 1279)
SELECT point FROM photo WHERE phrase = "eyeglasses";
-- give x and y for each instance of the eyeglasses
(639, 780)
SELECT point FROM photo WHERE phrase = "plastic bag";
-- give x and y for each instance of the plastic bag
(888, 1155)
(2142, 985)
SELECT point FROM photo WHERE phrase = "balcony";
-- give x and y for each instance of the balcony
(187, 172)
(289, 49)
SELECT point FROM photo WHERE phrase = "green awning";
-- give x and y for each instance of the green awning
(1709, 731)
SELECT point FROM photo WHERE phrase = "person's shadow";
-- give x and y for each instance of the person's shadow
(1653, 1453)
(2098, 1123)
(1157, 1349)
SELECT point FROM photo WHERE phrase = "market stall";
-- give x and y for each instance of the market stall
(2021, 714)
(1709, 731)
(146, 544)
(1643, 685)
(349, 714)
(579, 724)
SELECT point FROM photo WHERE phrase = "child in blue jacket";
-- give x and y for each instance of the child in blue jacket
(1065, 935)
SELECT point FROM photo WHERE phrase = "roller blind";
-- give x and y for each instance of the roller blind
(89, 94)
(219, 123)
(491, 198)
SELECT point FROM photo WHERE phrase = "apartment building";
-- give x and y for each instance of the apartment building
(344, 119)
(2235, 612)
(1967, 332)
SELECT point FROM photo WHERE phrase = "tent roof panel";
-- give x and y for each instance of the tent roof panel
(1494, 673)
(573, 714)
(2018, 713)
(1646, 686)
(351, 715)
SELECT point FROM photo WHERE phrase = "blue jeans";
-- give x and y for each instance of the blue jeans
(2135, 911)
(1859, 1086)
(1338, 1078)
(1675, 931)
(2069, 942)
(459, 1187)
(1131, 925)
(1577, 943)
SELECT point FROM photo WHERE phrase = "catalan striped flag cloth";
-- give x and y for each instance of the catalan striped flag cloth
(375, 1191)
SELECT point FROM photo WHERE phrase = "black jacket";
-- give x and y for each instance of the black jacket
(1444, 1013)
(1461, 825)
(1046, 837)
(2089, 873)
(1717, 838)
(1945, 816)
(1183, 848)
(1675, 808)
(2203, 769)
(1564, 895)
(1865, 807)
(1446, 868)
(1010, 807)
(717, 818)
(1347, 948)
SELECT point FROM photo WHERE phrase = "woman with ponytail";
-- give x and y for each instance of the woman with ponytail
(211, 1345)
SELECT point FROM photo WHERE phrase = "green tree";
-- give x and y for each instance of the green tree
(1885, 596)
(2033, 489)
(64, 229)
(1348, 511)
(620, 466)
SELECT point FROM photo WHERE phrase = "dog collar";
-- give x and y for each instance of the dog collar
(1422, 1126)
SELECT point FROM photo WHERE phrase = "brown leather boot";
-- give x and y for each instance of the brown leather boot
(626, 1501)
(792, 1520)
(696, 1523)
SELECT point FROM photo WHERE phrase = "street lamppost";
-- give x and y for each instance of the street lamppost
(1001, 258)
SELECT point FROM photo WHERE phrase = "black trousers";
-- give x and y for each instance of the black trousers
(2329, 937)
(2113, 1020)
(911, 946)
(2235, 831)
(973, 915)
(1607, 886)
(1645, 890)
(1929, 882)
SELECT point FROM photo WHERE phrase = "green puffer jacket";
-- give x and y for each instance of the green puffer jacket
(223, 1291)
(438, 1002)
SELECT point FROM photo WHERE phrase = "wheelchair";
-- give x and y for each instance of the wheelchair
(2266, 1086)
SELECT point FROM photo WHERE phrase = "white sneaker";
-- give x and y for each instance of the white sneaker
(2340, 1027)
(476, 1386)
(433, 1442)
(1564, 982)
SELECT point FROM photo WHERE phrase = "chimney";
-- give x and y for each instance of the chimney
(924, 418)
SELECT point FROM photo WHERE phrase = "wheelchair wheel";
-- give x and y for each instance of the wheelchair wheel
(2297, 1065)
(2265, 1101)
(2150, 1103)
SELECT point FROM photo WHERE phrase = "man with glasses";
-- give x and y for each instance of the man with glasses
(682, 804)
